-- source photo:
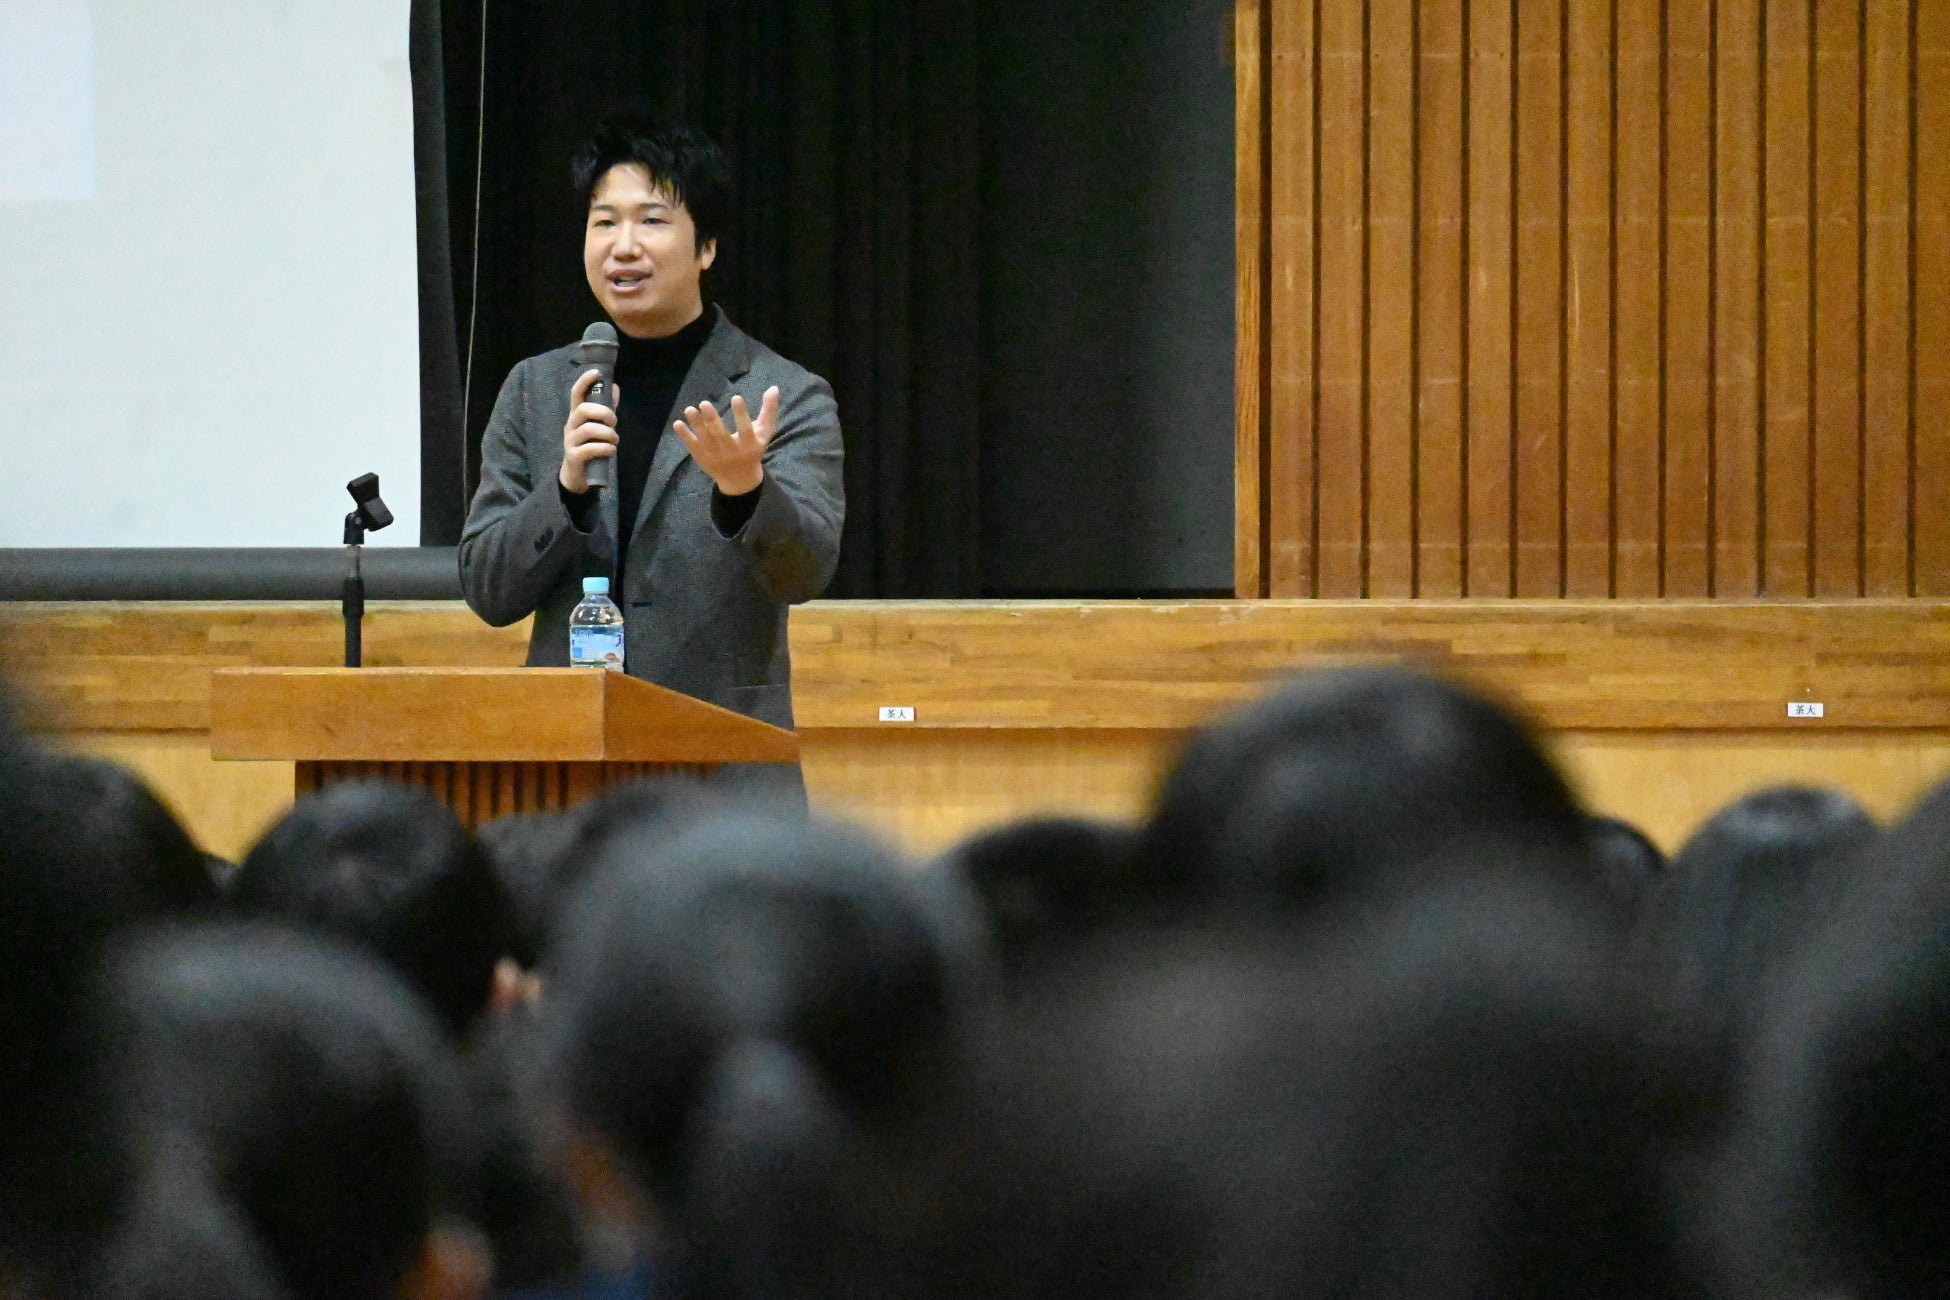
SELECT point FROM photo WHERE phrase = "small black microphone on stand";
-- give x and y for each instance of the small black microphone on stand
(369, 513)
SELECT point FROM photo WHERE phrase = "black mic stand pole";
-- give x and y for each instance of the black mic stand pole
(352, 592)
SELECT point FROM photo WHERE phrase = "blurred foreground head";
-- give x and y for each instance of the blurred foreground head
(1628, 863)
(541, 858)
(733, 1016)
(59, 1176)
(1349, 780)
(296, 1116)
(128, 836)
(1754, 881)
(1443, 1099)
(389, 867)
(1042, 885)
(1841, 1171)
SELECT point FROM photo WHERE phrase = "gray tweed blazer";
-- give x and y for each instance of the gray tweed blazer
(704, 614)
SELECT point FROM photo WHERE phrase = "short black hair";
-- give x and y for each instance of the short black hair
(1625, 858)
(1041, 884)
(1351, 778)
(388, 866)
(1840, 1169)
(121, 828)
(800, 983)
(1743, 895)
(58, 1164)
(541, 858)
(682, 161)
(290, 1088)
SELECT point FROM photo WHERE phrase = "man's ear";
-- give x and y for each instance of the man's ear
(708, 256)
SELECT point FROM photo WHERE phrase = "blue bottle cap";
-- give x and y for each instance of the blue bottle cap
(595, 586)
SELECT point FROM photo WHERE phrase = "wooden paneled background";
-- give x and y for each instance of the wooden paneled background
(1594, 298)
(1660, 711)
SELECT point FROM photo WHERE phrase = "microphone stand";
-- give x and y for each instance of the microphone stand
(352, 591)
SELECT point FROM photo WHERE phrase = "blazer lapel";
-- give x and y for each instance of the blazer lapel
(722, 361)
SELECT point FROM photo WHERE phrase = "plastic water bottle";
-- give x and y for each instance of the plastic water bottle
(596, 629)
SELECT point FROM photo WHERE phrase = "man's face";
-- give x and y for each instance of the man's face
(640, 253)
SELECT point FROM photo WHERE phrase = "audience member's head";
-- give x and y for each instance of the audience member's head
(387, 866)
(729, 1012)
(1352, 779)
(1749, 885)
(1627, 861)
(1841, 1170)
(59, 1176)
(127, 834)
(297, 1118)
(540, 858)
(526, 850)
(1442, 1098)
(1042, 885)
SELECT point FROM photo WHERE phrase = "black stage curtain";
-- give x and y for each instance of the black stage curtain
(852, 128)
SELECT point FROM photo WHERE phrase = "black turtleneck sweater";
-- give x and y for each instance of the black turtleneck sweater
(649, 374)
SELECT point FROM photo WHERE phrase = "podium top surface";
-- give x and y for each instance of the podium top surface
(526, 715)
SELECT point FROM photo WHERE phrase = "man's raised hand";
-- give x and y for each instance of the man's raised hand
(589, 435)
(733, 457)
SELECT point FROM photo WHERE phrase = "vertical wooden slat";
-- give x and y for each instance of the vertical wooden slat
(1492, 133)
(1657, 295)
(1838, 306)
(1737, 301)
(1439, 289)
(1931, 210)
(1343, 294)
(1638, 297)
(1785, 265)
(1249, 216)
(1885, 301)
(1290, 454)
(1587, 430)
(1391, 300)
(1688, 297)
(1540, 305)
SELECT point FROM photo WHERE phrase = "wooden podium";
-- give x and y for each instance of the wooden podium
(486, 741)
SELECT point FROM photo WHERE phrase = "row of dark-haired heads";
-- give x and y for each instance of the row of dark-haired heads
(1368, 1006)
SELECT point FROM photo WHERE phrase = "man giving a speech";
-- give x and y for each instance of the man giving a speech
(727, 501)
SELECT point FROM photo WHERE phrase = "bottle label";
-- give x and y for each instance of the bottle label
(596, 647)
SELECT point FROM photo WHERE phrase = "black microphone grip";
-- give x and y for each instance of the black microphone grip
(598, 351)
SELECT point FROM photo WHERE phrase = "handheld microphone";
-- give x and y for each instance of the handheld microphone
(598, 349)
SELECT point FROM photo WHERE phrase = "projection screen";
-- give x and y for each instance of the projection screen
(207, 271)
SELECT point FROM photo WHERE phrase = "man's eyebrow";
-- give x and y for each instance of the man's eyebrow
(652, 206)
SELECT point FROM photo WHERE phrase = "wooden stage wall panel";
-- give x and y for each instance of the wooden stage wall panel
(1660, 712)
(1592, 298)
(1574, 665)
